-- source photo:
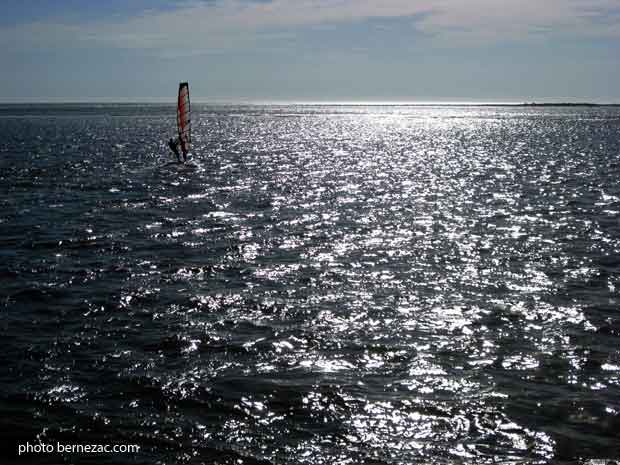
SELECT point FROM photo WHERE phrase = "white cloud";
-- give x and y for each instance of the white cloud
(517, 19)
(225, 24)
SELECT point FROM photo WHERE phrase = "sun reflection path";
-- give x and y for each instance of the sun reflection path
(354, 285)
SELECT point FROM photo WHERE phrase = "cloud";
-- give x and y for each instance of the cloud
(517, 19)
(603, 14)
(219, 25)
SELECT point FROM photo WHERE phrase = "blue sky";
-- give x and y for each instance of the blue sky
(311, 50)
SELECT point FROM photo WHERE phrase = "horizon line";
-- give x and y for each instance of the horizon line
(344, 102)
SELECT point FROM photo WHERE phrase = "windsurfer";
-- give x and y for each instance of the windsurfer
(174, 146)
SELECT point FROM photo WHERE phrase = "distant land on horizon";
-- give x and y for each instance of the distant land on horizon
(567, 104)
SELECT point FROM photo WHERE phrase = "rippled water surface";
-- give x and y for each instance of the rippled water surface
(322, 285)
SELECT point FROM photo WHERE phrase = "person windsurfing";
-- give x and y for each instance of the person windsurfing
(174, 146)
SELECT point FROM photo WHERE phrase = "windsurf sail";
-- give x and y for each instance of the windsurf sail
(183, 117)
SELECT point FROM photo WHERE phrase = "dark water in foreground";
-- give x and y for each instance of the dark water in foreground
(326, 285)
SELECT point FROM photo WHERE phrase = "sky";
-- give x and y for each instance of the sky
(310, 50)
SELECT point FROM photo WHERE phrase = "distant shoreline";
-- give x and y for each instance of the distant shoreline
(566, 104)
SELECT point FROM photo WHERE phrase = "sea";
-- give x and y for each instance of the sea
(319, 284)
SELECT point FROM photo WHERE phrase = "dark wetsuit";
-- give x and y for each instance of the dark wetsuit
(174, 146)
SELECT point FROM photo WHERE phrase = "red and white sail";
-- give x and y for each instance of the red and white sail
(183, 117)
